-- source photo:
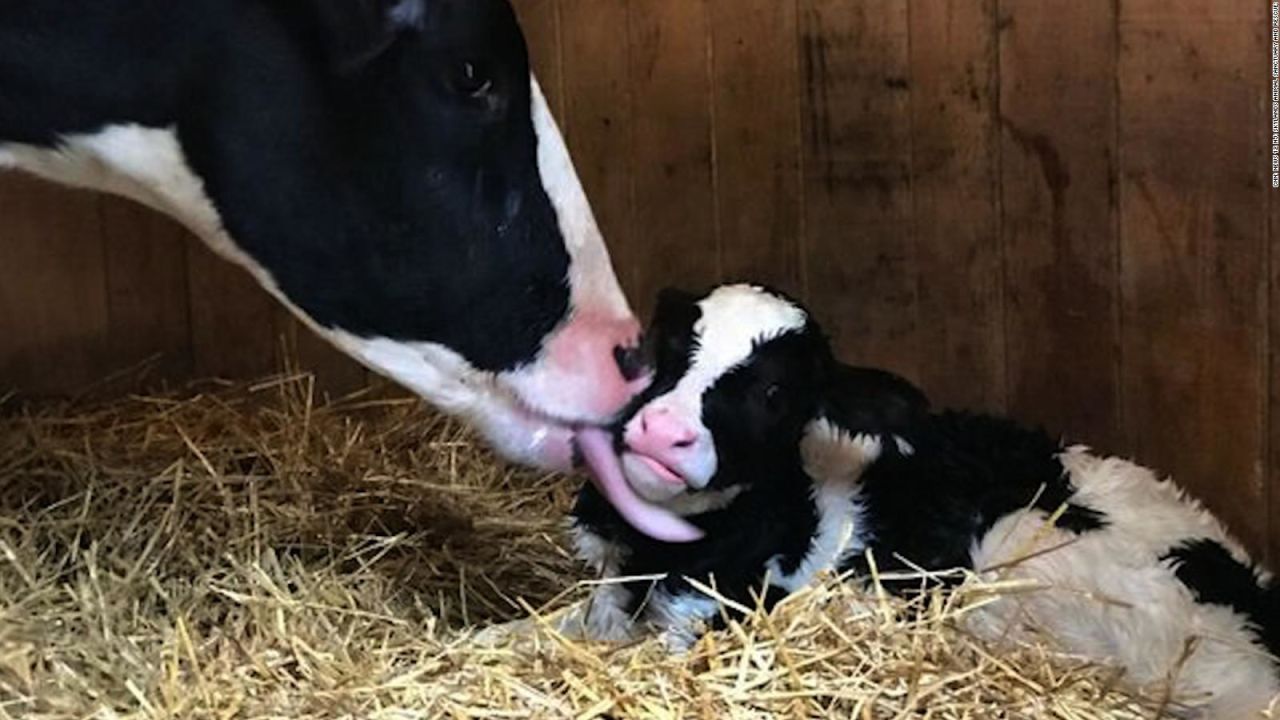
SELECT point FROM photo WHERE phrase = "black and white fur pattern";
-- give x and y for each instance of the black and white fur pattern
(1129, 569)
(388, 169)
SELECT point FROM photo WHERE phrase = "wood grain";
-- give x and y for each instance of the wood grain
(540, 20)
(757, 141)
(674, 203)
(233, 320)
(53, 292)
(335, 373)
(860, 253)
(598, 123)
(147, 293)
(1057, 100)
(954, 188)
(1193, 209)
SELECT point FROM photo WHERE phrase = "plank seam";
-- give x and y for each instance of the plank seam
(709, 43)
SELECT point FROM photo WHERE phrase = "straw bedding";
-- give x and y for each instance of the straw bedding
(245, 552)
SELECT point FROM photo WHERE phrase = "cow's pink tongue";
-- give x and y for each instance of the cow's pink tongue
(606, 472)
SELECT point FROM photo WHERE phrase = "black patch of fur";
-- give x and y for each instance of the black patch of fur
(967, 471)
(1214, 577)
(668, 346)
(766, 521)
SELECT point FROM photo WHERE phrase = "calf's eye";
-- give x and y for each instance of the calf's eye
(773, 397)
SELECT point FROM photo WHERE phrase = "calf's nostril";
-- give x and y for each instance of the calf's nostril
(630, 361)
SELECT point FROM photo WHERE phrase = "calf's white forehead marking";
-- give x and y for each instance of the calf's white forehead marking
(735, 318)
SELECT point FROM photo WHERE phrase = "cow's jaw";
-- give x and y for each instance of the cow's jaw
(443, 378)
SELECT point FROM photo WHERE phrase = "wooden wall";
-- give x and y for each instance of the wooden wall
(1057, 208)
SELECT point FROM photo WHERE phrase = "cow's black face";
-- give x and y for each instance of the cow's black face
(392, 170)
(446, 233)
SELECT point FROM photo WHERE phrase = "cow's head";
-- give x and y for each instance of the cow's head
(392, 172)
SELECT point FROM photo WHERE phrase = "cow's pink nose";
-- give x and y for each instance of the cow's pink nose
(662, 430)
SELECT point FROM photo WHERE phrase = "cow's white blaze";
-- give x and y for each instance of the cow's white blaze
(574, 371)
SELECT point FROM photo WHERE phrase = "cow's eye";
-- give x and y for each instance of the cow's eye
(470, 79)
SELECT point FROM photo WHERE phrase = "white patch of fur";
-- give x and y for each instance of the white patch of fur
(605, 618)
(680, 619)
(703, 501)
(408, 13)
(831, 454)
(591, 277)
(602, 556)
(141, 163)
(904, 447)
(834, 460)
(1107, 595)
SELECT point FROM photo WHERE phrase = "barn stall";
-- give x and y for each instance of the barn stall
(1056, 209)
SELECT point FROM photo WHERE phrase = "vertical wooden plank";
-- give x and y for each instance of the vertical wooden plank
(954, 188)
(147, 292)
(233, 320)
(53, 296)
(674, 203)
(335, 373)
(539, 19)
(1057, 99)
(1193, 209)
(598, 116)
(757, 141)
(857, 152)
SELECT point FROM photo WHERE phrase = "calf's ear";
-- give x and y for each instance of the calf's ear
(354, 32)
(673, 300)
(869, 401)
(861, 409)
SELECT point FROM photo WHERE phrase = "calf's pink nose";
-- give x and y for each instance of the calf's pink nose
(661, 431)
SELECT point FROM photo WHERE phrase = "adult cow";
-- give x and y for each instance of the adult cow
(385, 168)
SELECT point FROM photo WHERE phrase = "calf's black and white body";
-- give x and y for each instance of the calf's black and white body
(792, 464)
(388, 169)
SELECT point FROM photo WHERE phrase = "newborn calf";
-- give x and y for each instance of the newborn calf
(791, 463)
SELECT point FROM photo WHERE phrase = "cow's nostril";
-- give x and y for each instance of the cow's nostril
(630, 362)
(684, 444)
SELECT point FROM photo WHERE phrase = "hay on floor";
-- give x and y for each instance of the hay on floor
(242, 551)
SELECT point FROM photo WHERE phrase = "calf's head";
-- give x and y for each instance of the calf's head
(740, 375)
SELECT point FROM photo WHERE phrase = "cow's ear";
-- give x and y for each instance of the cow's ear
(869, 401)
(354, 32)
